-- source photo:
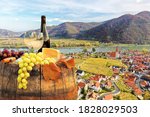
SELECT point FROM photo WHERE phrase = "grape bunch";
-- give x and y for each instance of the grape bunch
(26, 64)
(5, 53)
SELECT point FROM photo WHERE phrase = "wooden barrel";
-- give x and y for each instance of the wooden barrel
(64, 88)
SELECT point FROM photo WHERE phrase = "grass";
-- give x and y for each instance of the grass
(11, 43)
(99, 66)
(18, 42)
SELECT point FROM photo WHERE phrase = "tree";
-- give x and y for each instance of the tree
(93, 50)
(85, 50)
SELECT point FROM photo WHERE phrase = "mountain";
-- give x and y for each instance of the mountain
(71, 29)
(36, 31)
(125, 29)
(64, 30)
(7, 33)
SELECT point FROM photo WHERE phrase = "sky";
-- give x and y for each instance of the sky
(22, 15)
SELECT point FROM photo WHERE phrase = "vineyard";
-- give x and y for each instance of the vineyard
(73, 43)
(127, 96)
(100, 66)
(122, 86)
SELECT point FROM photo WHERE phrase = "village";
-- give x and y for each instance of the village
(130, 81)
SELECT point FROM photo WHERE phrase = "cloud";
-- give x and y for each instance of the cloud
(55, 20)
(57, 11)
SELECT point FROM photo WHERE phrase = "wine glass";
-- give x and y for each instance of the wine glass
(34, 42)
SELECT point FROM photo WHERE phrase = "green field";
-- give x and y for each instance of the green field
(73, 43)
(11, 43)
(56, 43)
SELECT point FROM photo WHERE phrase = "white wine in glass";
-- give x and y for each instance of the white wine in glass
(34, 43)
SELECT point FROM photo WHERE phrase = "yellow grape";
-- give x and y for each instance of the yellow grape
(24, 69)
(31, 64)
(29, 68)
(24, 87)
(24, 81)
(20, 71)
(33, 60)
(46, 62)
(25, 64)
(42, 63)
(40, 54)
(19, 79)
(27, 60)
(27, 75)
(21, 65)
(22, 75)
(20, 86)
(26, 54)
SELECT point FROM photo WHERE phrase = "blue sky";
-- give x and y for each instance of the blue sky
(22, 15)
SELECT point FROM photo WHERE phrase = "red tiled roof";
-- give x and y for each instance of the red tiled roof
(96, 78)
(138, 91)
(81, 84)
(108, 97)
(109, 83)
(143, 83)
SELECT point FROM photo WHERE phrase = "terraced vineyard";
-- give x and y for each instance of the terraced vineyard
(127, 96)
(100, 66)
(122, 86)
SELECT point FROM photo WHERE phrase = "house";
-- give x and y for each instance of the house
(115, 54)
(108, 97)
(81, 84)
(108, 84)
(80, 73)
(143, 83)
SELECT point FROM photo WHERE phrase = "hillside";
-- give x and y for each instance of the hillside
(125, 29)
(64, 30)
(70, 29)
(7, 33)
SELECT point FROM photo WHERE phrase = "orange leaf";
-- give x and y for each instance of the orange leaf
(51, 71)
(70, 63)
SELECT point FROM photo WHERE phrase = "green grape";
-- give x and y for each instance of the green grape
(33, 60)
(25, 64)
(40, 54)
(29, 68)
(31, 64)
(20, 86)
(24, 69)
(21, 65)
(19, 79)
(22, 75)
(21, 61)
(37, 63)
(24, 84)
(20, 71)
(24, 87)
(46, 62)
(24, 81)
(25, 60)
(42, 63)
(26, 54)
(27, 75)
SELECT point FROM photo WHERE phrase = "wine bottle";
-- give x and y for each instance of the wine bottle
(46, 39)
